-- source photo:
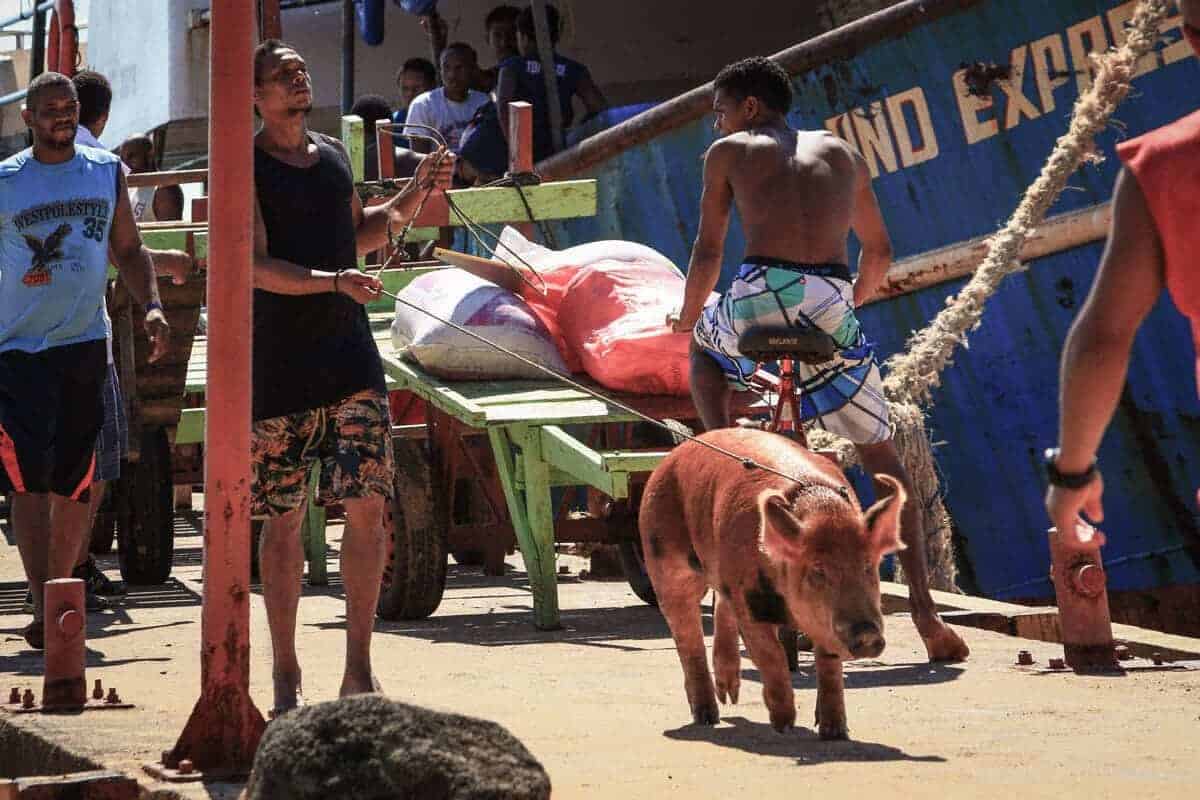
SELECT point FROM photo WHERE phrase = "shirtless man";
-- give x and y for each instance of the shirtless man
(799, 193)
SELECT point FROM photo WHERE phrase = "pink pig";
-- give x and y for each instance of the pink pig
(799, 553)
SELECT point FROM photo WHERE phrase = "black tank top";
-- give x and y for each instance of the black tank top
(309, 350)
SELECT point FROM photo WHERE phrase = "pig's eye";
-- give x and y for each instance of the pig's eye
(817, 575)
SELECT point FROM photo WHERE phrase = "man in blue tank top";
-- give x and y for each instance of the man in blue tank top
(63, 208)
(319, 394)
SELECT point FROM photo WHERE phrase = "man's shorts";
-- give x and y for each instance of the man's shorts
(51, 412)
(843, 396)
(351, 439)
(112, 445)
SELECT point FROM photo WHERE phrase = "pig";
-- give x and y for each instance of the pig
(796, 552)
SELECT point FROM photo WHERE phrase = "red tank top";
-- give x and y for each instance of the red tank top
(1166, 163)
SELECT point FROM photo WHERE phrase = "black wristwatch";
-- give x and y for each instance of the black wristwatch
(153, 306)
(1067, 480)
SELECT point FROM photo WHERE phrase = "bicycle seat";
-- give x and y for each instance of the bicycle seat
(773, 342)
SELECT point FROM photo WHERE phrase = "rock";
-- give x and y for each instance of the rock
(368, 747)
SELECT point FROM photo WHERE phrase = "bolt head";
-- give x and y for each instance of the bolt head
(1088, 580)
(1157, 658)
(113, 698)
(186, 767)
(1057, 663)
(1024, 658)
(15, 695)
(28, 700)
(98, 691)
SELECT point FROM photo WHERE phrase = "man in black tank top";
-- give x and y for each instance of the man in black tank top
(318, 383)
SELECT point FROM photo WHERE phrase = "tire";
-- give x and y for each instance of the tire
(415, 578)
(144, 499)
(633, 563)
(104, 528)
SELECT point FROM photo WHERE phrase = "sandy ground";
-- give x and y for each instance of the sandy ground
(601, 702)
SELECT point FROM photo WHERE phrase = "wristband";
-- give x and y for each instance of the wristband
(337, 275)
(153, 305)
(1067, 480)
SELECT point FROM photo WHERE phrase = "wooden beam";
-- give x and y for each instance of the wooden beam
(565, 452)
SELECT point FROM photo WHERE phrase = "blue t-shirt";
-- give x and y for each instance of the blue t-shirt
(54, 226)
(531, 87)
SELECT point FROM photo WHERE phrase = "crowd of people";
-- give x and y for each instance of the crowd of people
(465, 104)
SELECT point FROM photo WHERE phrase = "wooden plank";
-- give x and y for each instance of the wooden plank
(353, 139)
(558, 200)
(565, 452)
(408, 376)
(191, 427)
(537, 546)
(633, 461)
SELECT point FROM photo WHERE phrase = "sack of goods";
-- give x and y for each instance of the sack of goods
(481, 307)
(606, 304)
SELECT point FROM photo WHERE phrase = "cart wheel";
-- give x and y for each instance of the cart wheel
(415, 577)
(634, 565)
(104, 528)
(144, 499)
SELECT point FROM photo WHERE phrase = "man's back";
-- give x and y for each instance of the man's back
(794, 191)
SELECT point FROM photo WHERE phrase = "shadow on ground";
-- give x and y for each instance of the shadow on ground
(801, 745)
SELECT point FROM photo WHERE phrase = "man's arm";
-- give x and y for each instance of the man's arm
(418, 114)
(132, 261)
(590, 95)
(370, 223)
(1096, 355)
(715, 202)
(283, 277)
(506, 90)
(876, 254)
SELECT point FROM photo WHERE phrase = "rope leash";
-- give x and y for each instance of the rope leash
(748, 463)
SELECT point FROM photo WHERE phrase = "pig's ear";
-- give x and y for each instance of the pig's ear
(782, 533)
(883, 519)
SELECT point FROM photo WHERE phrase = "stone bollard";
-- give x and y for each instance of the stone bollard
(1080, 588)
(64, 686)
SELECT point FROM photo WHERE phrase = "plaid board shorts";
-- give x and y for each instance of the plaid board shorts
(112, 445)
(843, 396)
(350, 439)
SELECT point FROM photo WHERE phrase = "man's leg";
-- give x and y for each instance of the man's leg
(710, 390)
(69, 521)
(281, 565)
(31, 528)
(363, 552)
(941, 642)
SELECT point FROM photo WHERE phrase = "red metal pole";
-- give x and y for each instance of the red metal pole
(269, 21)
(520, 148)
(225, 726)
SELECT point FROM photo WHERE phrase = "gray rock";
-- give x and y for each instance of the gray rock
(368, 747)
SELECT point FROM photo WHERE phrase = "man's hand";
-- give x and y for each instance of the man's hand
(1065, 506)
(159, 332)
(678, 324)
(862, 293)
(176, 263)
(435, 171)
(359, 287)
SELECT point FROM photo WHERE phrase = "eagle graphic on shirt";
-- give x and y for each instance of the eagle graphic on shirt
(43, 253)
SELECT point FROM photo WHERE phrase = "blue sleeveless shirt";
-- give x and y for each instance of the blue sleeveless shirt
(54, 225)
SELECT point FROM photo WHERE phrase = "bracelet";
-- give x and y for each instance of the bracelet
(336, 275)
(153, 305)
(1067, 480)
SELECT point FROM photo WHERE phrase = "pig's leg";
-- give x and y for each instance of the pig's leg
(941, 642)
(679, 601)
(831, 698)
(727, 660)
(767, 654)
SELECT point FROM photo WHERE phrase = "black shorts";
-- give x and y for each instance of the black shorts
(51, 410)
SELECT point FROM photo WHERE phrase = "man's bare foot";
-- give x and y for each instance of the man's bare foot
(941, 642)
(288, 692)
(359, 684)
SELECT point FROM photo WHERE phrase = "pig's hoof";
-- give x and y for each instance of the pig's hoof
(706, 715)
(834, 731)
(783, 721)
(942, 643)
(728, 687)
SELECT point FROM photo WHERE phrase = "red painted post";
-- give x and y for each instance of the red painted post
(225, 726)
(385, 150)
(1083, 616)
(520, 148)
(64, 685)
(270, 24)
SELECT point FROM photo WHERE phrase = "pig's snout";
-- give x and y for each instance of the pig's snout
(865, 640)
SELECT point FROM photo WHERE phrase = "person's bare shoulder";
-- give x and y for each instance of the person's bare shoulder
(727, 149)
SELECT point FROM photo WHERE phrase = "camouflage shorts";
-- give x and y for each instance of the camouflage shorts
(350, 439)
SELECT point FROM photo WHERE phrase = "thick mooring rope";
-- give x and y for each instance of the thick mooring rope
(913, 374)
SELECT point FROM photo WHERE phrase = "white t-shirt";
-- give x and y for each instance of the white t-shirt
(450, 118)
(84, 137)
